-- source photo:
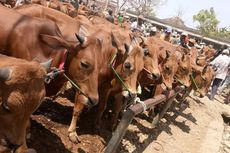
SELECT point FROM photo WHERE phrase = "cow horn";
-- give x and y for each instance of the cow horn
(5, 74)
(81, 39)
(46, 65)
(127, 47)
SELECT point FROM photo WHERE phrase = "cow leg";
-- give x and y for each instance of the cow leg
(103, 104)
(21, 137)
(156, 92)
(78, 107)
(116, 110)
(22, 148)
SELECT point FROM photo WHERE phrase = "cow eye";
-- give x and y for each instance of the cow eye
(84, 65)
(183, 69)
(166, 68)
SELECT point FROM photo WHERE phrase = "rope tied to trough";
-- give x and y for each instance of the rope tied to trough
(138, 100)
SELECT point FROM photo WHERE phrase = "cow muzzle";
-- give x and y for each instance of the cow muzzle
(92, 101)
(156, 76)
(128, 95)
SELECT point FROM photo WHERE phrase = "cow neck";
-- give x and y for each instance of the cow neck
(193, 76)
(119, 60)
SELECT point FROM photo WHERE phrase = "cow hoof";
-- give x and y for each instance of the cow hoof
(73, 137)
(30, 151)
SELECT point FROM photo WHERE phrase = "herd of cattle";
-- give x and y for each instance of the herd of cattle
(100, 58)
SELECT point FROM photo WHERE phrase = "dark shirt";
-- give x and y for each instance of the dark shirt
(110, 18)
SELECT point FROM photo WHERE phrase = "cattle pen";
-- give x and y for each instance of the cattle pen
(136, 109)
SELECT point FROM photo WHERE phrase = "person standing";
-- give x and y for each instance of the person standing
(110, 17)
(222, 63)
(120, 19)
(184, 40)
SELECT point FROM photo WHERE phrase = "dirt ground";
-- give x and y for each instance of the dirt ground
(196, 126)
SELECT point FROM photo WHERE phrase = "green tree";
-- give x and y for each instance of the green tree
(208, 22)
(224, 32)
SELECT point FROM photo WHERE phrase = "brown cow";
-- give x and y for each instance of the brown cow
(64, 7)
(81, 64)
(67, 26)
(44, 36)
(208, 52)
(128, 70)
(21, 92)
(203, 81)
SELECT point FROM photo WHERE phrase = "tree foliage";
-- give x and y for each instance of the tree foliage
(144, 7)
(208, 22)
(224, 32)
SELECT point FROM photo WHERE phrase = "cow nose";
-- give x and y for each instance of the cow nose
(155, 76)
(93, 101)
(132, 95)
(127, 65)
(169, 88)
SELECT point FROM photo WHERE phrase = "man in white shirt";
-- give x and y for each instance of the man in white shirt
(222, 63)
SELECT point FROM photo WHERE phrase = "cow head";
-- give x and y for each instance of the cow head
(184, 69)
(207, 52)
(151, 58)
(168, 68)
(203, 81)
(21, 92)
(130, 69)
(83, 69)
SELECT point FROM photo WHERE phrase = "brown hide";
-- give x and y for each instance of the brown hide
(151, 60)
(23, 93)
(129, 70)
(208, 52)
(67, 25)
(43, 41)
(83, 55)
(184, 70)
(63, 7)
(203, 81)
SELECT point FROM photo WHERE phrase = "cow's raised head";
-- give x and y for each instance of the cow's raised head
(184, 69)
(203, 81)
(130, 69)
(207, 52)
(168, 68)
(151, 58)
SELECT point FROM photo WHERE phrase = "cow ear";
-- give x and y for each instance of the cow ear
(55, 42)
(115, 40)
(127, 47)
(5, 74)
